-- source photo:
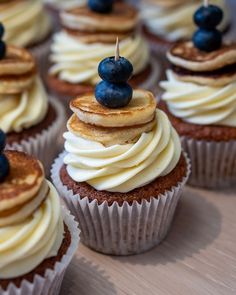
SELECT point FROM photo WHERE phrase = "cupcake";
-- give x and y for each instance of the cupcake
(88, 35)
(38, 238)
(123, 171)
(31, 121)
(169, 21)
(200, 100)
(27, 25)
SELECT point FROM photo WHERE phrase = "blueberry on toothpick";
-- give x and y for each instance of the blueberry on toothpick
(114, 91)
(112, 95)
(207, 40)
(2, 141)
(4, 164)
(101, 6)
(2, 43)
(207, 18)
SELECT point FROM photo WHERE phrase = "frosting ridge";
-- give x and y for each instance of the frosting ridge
(198, 104)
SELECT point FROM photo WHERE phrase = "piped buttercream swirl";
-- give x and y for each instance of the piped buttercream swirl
(198, 104)
(25, 109)
(25, 21)
(76, 62)
(23, 246)
(122, 168)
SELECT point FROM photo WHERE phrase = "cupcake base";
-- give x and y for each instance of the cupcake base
(124, 227)
(212, 151)
(47, 278)
(42, 140)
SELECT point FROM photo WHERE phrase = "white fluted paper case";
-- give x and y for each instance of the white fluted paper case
(121, 230)
(213, 164)
(45, 146)
(50, 284)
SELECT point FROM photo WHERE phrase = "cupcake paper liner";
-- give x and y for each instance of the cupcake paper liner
(41, 54)
(121, 230)
(50, 283)
(45, 145)
(213, 163)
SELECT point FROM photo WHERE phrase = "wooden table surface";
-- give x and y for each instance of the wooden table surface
(197, 257)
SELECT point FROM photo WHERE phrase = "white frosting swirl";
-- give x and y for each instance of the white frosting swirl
(77, 62)
(23, 110)
(25, 21)
(64, 5)
(197, 104)
(122, 168)
(24, 246)
(176, 23)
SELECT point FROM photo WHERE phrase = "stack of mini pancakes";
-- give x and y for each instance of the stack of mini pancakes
(24, 189)
(215, 69)
(17, 71)
(94, 122)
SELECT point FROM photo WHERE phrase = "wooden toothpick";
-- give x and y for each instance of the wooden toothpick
(117, 53)
(206, 3)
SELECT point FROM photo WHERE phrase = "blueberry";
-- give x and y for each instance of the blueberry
(2, 49)
(2, 30)
(101, 6)
(2, 140)
(207, 40)
(208, 17)
(115, 71)
(113, 95)
(4, 167)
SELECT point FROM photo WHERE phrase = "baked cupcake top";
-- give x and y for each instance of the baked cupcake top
(117, 140)
(31, 224)
(172, 19)
(201, 83)
(23, 100)
(88, 36)
(26, 22)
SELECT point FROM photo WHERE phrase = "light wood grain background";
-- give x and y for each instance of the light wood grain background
(197, 257)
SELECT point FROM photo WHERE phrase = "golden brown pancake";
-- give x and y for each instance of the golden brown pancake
(186, 55)
(139, 111)
(97, 27)
(105, 135)
(23, 182)
(17, 71)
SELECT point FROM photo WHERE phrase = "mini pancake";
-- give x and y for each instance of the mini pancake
(23, 182)
(105, 135)
(167, 3)
(186, 55)
(123, 18)
(215, 78)
(140, 110)
(17, 71)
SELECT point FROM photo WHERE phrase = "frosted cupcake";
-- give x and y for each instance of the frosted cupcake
(169, 21)
(31, 121)
(38, 238)
(200, 100)
(27, 25)
(122, 166)
(88, 37)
